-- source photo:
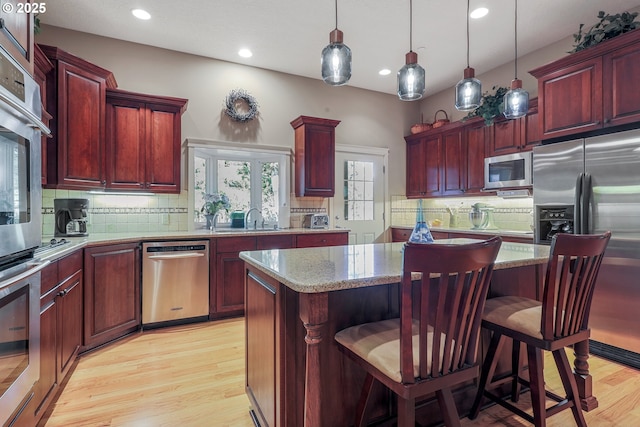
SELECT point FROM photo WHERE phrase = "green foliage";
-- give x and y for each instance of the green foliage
(609, 27)
(491, 105)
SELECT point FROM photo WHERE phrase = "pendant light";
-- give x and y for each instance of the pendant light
(469, 89)
(411, 76)
(516, 101)
(336, 58)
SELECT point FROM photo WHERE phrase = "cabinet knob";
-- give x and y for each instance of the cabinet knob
(606, 121)
(104, 182)
(63, 293)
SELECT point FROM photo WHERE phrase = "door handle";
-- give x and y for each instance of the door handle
(176, 256)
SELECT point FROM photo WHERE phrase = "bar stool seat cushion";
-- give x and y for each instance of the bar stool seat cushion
(516, 313)
(378, 343)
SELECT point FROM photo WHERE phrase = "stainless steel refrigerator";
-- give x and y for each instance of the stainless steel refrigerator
(589, 186)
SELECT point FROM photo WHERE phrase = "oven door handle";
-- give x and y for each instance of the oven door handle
(23, 275)
(35, 120)
(177, 256)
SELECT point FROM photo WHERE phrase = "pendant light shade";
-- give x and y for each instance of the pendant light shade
(336, 58)
(411, 77)
(469, 89)
(516, 101)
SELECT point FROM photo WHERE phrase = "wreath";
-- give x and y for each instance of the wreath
(239, 96)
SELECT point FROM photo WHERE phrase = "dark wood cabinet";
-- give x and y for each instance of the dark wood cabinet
(511, 136)
(143, 141)
(227, 296)
(423, 166)
(476, 152)
(61, 323)
(112, 305)
(314, 240)
(16, 31)
(76, 94)
(591, 89)
(314, 146)
(454, 162)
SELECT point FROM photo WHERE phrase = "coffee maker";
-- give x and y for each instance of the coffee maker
(71, 217)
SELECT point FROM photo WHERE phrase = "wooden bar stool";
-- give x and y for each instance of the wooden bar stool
(434, 348)
(560, 320)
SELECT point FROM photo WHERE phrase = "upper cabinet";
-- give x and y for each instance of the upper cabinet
(41, 69)
(76, 96)
(591, 89)
(314, 156)
(511, 136)
(16, 30)
(106, 138)
(143, 142)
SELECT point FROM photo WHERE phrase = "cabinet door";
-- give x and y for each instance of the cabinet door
(125, 148)
(621, 90)
(530, 127)
(504, 137)
(261, 368)
(229, 284)
(453, 163)
(319, 161)
(571, 99)
(416, 173)
(476, 152)
(47, 384)
(163, 125)
(112, 293)
(70, 302)
(81, 128)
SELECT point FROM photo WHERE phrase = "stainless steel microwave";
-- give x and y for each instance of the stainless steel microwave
(508, 171)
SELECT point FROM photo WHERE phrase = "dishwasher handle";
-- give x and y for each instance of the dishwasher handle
(177, 255)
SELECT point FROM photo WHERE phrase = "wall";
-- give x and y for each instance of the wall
(367, 118)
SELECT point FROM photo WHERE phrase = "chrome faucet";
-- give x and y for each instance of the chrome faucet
(246, 218)
(214, 222)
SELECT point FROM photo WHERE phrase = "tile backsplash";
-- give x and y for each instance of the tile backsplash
(508, 214)
(111, 213)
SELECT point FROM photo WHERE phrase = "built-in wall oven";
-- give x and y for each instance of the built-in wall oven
(20, 234)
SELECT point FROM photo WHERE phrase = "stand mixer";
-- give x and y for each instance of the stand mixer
(481, 217)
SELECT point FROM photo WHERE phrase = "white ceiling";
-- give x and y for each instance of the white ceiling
(288, 35)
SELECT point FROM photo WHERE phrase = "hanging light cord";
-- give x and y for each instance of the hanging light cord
(410, 26)
(516, 40)
(468, 1)
(336, 14)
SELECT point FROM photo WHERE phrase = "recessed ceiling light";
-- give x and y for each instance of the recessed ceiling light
(141, 14)
(479, 13)
(245, 53)
(384, 72)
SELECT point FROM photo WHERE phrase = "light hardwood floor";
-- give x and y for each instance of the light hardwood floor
(193, 375)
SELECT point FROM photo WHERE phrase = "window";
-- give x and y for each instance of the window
(248, 178)
(358, 191)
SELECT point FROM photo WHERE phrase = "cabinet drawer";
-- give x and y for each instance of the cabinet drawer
(280, 241)
(69, 265)
(236, 244)
(49, 278)
(400, 234)
(322, 239)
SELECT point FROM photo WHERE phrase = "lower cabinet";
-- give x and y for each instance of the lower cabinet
(314, 240)
(112, 305)
(60, 326)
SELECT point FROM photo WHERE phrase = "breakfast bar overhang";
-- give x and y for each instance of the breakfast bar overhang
(297, 299)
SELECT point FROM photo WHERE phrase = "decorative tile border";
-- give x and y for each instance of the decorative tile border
(125, 211)
(308, 210)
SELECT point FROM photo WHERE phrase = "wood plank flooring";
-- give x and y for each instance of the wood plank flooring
(193, 376)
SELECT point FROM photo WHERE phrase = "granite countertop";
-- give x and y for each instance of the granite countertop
(97, 239)
(314, 270)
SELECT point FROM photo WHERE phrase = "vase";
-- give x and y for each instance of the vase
(209, 218)
(421, 232)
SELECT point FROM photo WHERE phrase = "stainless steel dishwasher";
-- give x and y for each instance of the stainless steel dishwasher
(175, 281)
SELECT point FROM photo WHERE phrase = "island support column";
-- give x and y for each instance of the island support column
(314, 315)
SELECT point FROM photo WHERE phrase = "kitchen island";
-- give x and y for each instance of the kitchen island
(297, 299)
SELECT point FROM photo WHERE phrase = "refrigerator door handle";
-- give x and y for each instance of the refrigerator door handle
(577, 211)
(586, 204)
